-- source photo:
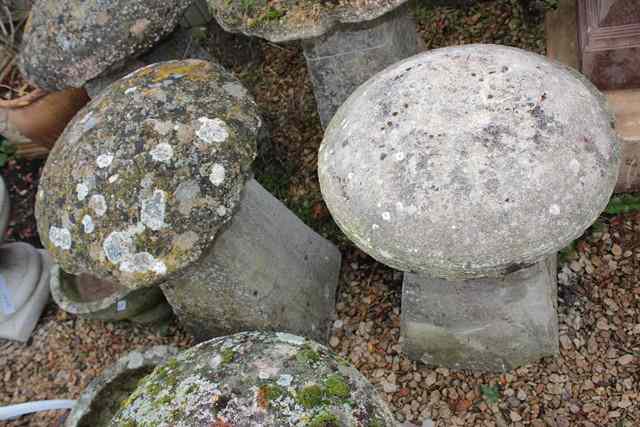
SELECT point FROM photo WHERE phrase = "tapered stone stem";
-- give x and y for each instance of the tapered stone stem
(265, 271)
(342, 60)
(489, 324)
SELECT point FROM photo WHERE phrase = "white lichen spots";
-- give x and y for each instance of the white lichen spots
(385, 254)
(399, 207)
(98, 204)
(104, 160)
(216, 361)
(285, 380)
(350, 176)
(142, 262)
(290, 338)
(217, 174)
(221, 211)
(136, 360)
(375, 227)
(399, 156)
(554, 210)
(264, 375)
(87, 223)
(163, 128)
(386, 216)
(130, 90)
(113, 178)
(162, 152)
(152, 210)
(117, 246)
(212, 130)
(235, 89)
(82, 191)
(574, 166)
(60, 238)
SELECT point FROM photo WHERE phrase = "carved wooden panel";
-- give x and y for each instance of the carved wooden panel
(609, 38)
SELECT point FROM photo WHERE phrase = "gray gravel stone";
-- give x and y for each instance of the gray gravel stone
(145, 175)
(72, 42)
(99, 402)
(265, 271)
(251, 378)
(489, 324)
(469, 161)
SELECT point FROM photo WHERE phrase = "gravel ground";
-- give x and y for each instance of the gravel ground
(592, 383)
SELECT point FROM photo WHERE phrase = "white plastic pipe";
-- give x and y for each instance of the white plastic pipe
(14, 411)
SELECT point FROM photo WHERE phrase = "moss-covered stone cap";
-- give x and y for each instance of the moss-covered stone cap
(144, 176)
(469, 161)
(71, 42)
(101, 399)
(251, 378)
(286, 20)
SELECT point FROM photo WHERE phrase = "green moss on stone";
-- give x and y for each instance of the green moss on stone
(310, 396)
(335, 386)
(307, 355)
(227, 356)
(375, 423)
(324, 419)
(273, 391)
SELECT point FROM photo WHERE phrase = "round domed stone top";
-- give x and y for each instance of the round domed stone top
(251, 379)
(71, 42)
(294, 19)
(469, 161)
(143, 177)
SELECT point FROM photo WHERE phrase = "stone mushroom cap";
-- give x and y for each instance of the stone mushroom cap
(253, 378)
(144, 176)
(294, 19)
(71, 42)
(469, 161)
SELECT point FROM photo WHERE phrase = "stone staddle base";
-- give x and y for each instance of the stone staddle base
(488, 324)
(266, 271)
(342, 60)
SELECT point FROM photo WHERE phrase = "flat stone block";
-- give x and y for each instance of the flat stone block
(484, 324)
(342, 60)
(266, 271)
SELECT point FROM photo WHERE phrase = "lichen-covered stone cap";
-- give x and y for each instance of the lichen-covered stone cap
(144, 176)
(71, 42)
(294, 19)
(253, 378)
(469, 161)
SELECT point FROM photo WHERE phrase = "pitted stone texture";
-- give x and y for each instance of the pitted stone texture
(293, 19)
(92, 298)
(489, 324)
(265, 271)
(99, 402)
(145, 175)
(72, 42)
(341, 61)
(469, 161)
(252, 378)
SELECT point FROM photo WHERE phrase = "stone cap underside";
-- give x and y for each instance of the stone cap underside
(72, 42)
(145, 175)
(252, 378)
(469, 161)
(289, 20)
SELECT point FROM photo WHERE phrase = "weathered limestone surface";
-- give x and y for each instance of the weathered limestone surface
(251, 379)
(17, 321)
(72, 42)
(145, 175)
(295, 20)
(469, 161)
(342, 60)
(265, 271)
(100, 401)
(486, 324)
(92, 298)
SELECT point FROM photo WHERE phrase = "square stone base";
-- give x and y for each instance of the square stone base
(488, 324)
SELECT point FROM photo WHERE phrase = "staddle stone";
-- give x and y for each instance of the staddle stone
(252, 378)
(469, 161)
(71, 42)
(145, 175)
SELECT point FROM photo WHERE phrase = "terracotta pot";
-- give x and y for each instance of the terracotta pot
(45, 116)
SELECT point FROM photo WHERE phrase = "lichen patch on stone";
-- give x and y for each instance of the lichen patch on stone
(60, 237)
(152, 210)
(212, 130)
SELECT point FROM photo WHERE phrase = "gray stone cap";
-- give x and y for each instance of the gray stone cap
(295, 19)
(106, 389)
(469, 161)
(254, 378)
(144, 176)
(71, 42)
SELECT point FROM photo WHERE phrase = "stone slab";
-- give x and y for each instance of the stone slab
(481, 324)
(266, 271)
(342, 60)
